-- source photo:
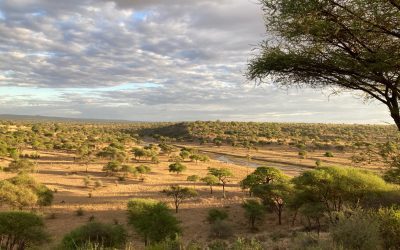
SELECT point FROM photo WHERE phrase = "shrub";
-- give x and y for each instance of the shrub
(143, 169)
(221, 229)
(152, 220)
(79, 212)
(328, 154)
(112, 167)
(22, 191)
(216, 214)
(20, 230)
(303, 154)
(360, 231)
(20, 165)
(98, 183)
(179, 194)
(108, 235)
(177, 167)
(254, 211)
(389, 227)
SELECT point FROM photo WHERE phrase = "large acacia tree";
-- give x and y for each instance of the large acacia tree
(345, 44)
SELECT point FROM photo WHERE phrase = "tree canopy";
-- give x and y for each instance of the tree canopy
(350, 45)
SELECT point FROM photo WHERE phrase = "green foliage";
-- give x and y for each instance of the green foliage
(262, 175)
(152, 220)
(275, 195)
(389, 227)
(179, 194)
(223, 175)
(329, 43)
(221, 229)
(360, 231)
(184, 154)
(211, 181)
(302, 154)
(328, 154)
(216, 214)
(254, 211)
(193, 178)
(20, 165)
(23, 191)
(112, 153)
(108, 235)
(20, 230)
(177, 167)
(198, 157)
(143, 169)
(112, 167)
(336, 187)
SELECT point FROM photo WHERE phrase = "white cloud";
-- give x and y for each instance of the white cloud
(185, 59)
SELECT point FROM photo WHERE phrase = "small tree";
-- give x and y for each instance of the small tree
(223, 175)
(177, 167)
(143, 169)
(19, 230)
(112, 167)
(275, 195)
(152, 220)
(195, 158)
(21, 165)
(254, 211)
(210, 180)
(184, 154)
(194, 179)
(216, 214)
(106, 235)
(138, 153)
(179, 194)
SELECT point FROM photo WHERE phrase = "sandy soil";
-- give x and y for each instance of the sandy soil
(58, 171)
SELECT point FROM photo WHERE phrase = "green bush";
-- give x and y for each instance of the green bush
(23, 191)
(177, 167)
(20, 230)
(360, 231)
(216, 214)
(221, 229)
(152, 220)
(254, 211)
(389, 227)
(20, 165)
(108, 235)
(328, 154)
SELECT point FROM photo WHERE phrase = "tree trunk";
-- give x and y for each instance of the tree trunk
(223, 190)
(280, 215)
(393, 105)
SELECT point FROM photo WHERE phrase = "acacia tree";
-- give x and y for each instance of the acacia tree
(350, 45)
(210, 180)
(223, 175)
(19, 230)
(179, 194)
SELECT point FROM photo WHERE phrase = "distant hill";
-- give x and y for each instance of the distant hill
(40, 118)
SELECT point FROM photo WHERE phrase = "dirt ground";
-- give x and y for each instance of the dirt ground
(59, 172)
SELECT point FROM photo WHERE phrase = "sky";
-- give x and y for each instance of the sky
(151, 60)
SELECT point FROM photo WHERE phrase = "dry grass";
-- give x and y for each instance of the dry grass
(58, 171)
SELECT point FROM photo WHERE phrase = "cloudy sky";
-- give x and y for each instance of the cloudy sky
(150, 60)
